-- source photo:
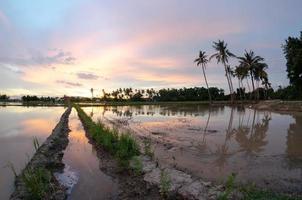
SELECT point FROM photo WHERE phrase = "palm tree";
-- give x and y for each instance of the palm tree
(222, 55)
(253, 64)
(240, 72)
(91, 90)
(202, 60)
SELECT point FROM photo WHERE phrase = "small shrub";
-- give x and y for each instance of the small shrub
(137, 165)
(37, 182)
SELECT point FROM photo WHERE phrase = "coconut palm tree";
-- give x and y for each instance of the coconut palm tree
(240, 72)
(253, 64)
(91, 90)
(202, 60)
(222, 55)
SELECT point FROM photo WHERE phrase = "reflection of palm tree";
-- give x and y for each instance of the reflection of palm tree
(252, 140)
(91, 113)
(294, 141)
(203, 143)
(223, 155)
(223, 150)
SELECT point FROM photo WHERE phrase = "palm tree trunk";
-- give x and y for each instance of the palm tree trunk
(242, 89)
(253, 83)
(226, 74)
(205, 78)
(239, 88)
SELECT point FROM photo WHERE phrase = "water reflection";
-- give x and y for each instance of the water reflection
(83, 174)
(18, 126)
(214, 142)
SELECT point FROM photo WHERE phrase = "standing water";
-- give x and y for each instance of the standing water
(261, 147)
(82, 173)
(18, 127)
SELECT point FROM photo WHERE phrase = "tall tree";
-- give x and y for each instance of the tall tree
(293, 54)
(240, 72)
(253, 64)
(222, 55)
(91, 90)
(202, 60)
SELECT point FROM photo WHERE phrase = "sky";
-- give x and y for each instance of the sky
(55, 47)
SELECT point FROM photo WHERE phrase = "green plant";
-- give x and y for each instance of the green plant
(137, 165)
(250, 192)
(123, 146)
(165, 184)
(126, 149)
(36, 143)
(11, 166)
(37, 182)
(147, 148)
(229, 187)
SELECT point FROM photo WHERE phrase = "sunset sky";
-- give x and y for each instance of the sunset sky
(56, 47)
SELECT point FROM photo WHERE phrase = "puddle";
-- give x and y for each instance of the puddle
(82, 174)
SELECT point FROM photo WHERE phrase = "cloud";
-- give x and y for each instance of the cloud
(13, 69)
(38, 58)
(87, 76)
(68, 83)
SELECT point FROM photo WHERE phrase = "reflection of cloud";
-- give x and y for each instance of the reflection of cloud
(67, 83)
(37, 126)
(88, 76)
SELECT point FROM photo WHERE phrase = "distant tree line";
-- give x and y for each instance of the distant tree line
(4, 97)
(29, 98)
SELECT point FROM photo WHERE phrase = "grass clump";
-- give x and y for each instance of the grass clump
(147, 148)
(37, 182)
(136, 165)
(124, 147)
(229, 187)
(165, 184)
(252, 193)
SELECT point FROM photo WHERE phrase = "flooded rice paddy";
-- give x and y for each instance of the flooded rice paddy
(18, 126)
(259, 146)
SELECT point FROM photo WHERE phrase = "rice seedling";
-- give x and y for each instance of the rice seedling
(123, 146)
(11, 166)
(36, 143)
(37, 182)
